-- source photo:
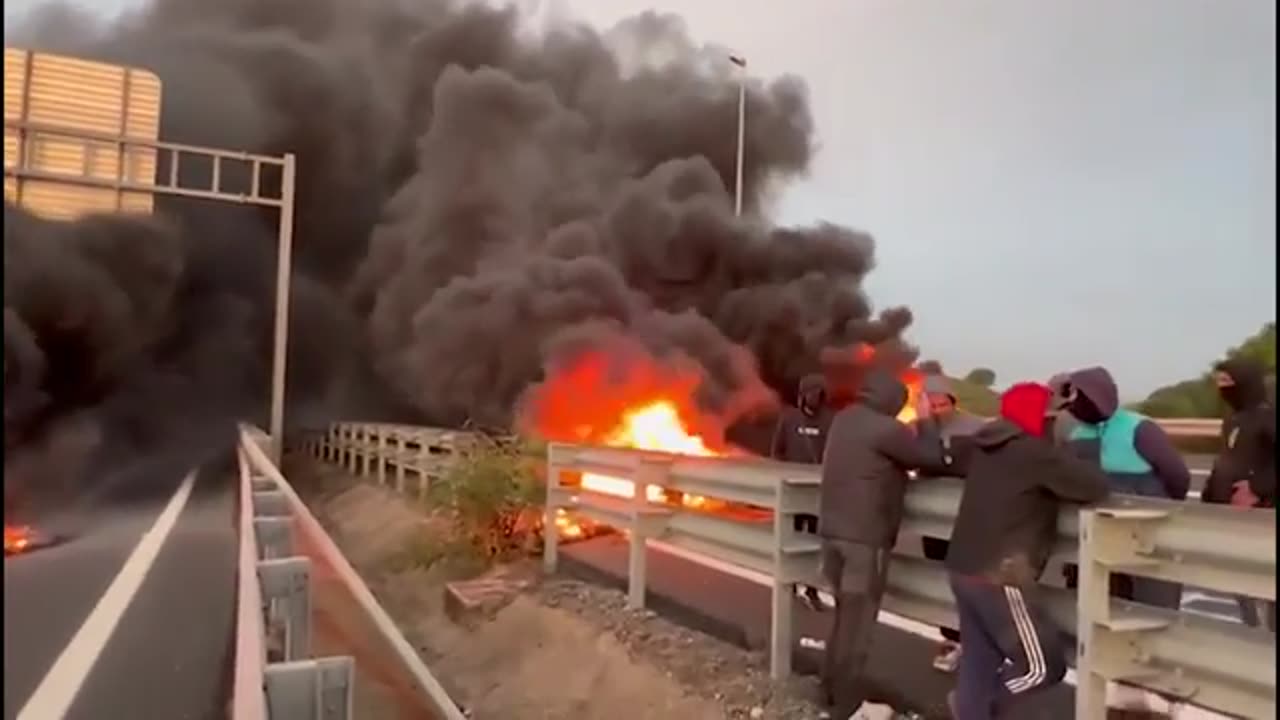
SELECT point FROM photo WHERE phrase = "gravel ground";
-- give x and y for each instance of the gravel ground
(735, 678)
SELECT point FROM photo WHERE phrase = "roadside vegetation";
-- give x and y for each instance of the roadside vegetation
(490, 501)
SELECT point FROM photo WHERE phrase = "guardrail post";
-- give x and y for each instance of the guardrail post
(320, 689)
(287, 590)
(550, 530)
(367, 451)
(1111, 648)
(401, 457)
(782, 592)
(275, 537)
(424, 466)
(382, 454)
(649, 472)
(270, 503)
(1092, 598)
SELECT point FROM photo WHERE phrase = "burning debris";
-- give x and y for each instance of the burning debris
(625, 398)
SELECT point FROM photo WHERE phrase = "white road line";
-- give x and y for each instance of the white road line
(53, 697)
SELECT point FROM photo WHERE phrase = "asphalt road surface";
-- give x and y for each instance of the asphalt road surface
(133, 617)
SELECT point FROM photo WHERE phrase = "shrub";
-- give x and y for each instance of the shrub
(494, 493)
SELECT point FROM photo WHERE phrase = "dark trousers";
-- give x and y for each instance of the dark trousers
(936, 549)
(806, 524)
(857, 575)
(1011, 649)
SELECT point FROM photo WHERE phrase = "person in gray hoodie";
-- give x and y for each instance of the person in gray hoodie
(1137, 457)
(953, 422)
(862, 497)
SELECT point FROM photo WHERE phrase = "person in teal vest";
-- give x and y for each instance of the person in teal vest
(1137, 457)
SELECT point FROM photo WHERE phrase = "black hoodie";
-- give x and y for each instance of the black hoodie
(864, 473)
(1248, 438)
(1008, 517)
(801, 433)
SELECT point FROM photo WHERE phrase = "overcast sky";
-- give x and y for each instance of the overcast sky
(1052, 183)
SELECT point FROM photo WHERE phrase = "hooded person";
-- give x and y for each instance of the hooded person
(1005, 529)
(1244, 473)
(953, 423)
(801, 437)
(801, 433)
(864, 483)
(1063, 423)
(1138, 458)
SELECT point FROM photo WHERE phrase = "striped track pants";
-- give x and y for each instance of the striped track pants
(1010, 647)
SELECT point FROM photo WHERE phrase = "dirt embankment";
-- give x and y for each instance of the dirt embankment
(555, 649)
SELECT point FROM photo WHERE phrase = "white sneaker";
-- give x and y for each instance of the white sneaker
(948, 659)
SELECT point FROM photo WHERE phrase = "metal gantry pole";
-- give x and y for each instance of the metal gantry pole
(284, 269)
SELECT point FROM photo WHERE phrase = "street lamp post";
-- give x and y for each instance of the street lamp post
(741, 62)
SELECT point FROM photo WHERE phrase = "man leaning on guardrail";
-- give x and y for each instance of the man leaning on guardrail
(1004, 531)
(863, 493)
(1244, 473)
(1138, 459)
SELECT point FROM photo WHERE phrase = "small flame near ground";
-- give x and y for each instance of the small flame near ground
(17, 539)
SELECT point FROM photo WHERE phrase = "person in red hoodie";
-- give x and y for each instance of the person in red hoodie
(1012, 649)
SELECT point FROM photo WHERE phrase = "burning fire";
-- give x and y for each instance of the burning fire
(657, 427)
(914, 380)
(640, 404)
(845, 367)
(17, 539)
(628, 401)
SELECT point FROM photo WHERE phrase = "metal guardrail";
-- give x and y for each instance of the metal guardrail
(1212, 663)
(274, 597)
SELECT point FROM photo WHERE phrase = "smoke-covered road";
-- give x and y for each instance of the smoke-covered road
(132, 617)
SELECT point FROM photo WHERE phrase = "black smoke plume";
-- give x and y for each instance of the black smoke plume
(475, 198)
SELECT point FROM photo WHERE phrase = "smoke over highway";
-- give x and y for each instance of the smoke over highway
(477, 202)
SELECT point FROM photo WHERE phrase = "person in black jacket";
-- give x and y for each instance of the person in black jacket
(800, 437)
(1244, 473)
(864, 484)
(1004, 530)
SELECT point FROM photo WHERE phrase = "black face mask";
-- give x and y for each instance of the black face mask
(1083, 409)
(1232, 396)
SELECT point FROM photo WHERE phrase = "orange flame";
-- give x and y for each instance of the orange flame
(914, 380)
(16, 539)
(626, 401)
(844, 368)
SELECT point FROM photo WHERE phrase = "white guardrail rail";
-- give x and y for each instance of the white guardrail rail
(275, 676)
(1215, 664)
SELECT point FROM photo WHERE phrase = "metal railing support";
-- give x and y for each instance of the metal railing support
(286, 588)
(275, 537)
(320, 689)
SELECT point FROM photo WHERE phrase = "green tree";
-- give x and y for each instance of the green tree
(982, 377)
(1199, 397)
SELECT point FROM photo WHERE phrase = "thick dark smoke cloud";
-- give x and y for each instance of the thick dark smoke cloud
(475, 200)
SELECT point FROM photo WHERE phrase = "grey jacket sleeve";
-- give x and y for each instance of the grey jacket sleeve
(1154, 446)
(923, 451)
